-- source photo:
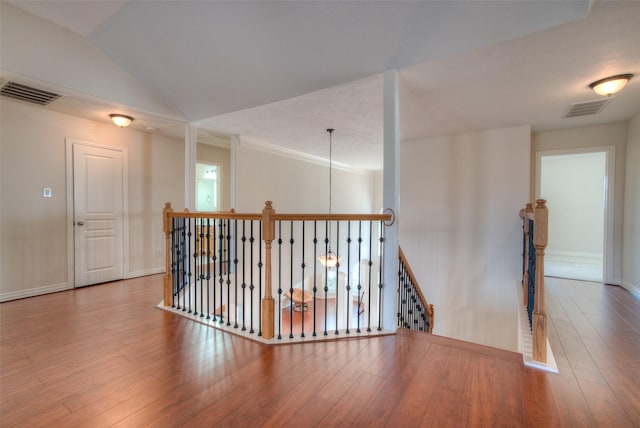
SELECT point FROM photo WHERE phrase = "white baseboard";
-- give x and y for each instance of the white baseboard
(145, 272)
(30, 292)
(635, 291)
(574, 257)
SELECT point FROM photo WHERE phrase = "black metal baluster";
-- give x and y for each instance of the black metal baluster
(326, 272)
(532, 275)
(405, 301)
(200, 271)
(349, 298)
(380, 278)
(370, 269)
(251, 286)
(208, 234)
(260, 282)
(280, 280)
(180, 278)
(214, 264)
(228, 272)
(195, 272)
(305, 305)
(315, 273)
(221, 271)
(337, 270)
(360, 303)
(244, 265)
(174, 259)
(181, 270)
(291, 241)
(188, 265)
(187, 292)
(399, 298)
(235, 274)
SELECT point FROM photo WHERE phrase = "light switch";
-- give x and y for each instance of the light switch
(46, 192)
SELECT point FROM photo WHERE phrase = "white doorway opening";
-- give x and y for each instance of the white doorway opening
(577, 186)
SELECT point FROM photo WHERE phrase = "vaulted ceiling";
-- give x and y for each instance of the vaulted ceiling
(282, 72)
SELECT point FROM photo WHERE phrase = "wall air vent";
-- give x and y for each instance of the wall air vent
(586, 108)
(29, 94)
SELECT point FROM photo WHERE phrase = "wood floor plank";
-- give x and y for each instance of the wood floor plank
(604, 406)
(105, 356)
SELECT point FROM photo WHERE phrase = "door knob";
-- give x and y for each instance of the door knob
(80, 223)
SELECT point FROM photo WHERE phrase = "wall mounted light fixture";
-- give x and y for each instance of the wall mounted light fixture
(121, 120)
(610, 85)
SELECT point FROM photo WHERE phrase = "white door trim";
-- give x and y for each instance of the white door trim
(69, 143)
(610, 172)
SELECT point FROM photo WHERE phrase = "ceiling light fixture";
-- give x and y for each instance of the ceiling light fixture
(330, 260)
(121, 120)
(610, 85)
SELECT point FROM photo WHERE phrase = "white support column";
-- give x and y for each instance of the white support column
(390, 197)
(235, 142)
(190, 152)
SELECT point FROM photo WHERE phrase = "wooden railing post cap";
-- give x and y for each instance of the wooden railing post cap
(541, 203)
(268, 205)
(167, 206)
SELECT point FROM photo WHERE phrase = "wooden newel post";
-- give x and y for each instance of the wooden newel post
(539, 315)
(168, 277)
(268, 303)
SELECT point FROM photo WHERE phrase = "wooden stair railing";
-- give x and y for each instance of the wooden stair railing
(240, 272)
(535, 231)
(414, 312)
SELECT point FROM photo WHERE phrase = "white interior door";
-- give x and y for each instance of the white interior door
(98, 214)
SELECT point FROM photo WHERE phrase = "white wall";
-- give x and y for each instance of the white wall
(586, 138)
(296, 185)
(33, 237)
(631, 244)
(459, 227)
(573, 185)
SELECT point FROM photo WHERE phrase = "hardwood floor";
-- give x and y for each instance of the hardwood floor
(105, 356)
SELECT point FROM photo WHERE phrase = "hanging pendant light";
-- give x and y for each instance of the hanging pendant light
(330, 260)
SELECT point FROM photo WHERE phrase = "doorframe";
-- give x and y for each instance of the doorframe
(609, 194)
(71, 255)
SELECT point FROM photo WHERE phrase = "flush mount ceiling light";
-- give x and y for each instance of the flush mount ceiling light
(610, 85)
(121, 120)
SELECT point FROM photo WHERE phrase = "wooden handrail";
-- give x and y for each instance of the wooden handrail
(414, 281)
(281, 217)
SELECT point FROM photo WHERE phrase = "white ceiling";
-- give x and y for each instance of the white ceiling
(282, 72)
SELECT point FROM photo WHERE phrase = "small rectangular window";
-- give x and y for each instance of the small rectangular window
(208, 187)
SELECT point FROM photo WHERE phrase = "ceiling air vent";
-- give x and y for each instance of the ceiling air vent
(586, 108)
(29, 94)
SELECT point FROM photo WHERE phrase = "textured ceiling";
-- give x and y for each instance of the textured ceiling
(282, 72)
